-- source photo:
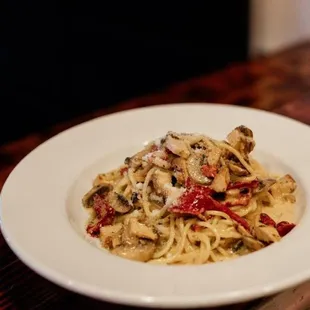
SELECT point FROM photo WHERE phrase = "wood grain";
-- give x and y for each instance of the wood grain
(280, 83)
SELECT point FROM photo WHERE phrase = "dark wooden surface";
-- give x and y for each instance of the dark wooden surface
(279, 83)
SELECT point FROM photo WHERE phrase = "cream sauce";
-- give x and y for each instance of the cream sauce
(281, 211)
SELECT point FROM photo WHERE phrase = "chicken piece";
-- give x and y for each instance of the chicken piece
(161, 181)
(162, 163)
(142, 171)
(141, 230)
(284, 185)
(267, 233)
(157, 158)
(127, 238)
(221, 180)
(289, 198)
(180, 169)
(176, 145)
(243, 231)
(288, 184)
(252, 243)
(241, 139)
(214, 155)
(110, 236)
(163, 186)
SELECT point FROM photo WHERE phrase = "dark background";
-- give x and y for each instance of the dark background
(58, 63)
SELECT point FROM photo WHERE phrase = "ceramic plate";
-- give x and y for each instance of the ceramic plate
(42, 218)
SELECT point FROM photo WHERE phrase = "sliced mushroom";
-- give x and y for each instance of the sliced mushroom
(252, 243)
(264, 185)
(136, 160)
(194, 170)
(241, 139)
(221, 180)
(143, 252)
(267, 233)
(119, 203)
(198, 146)
(140, 230)
(101, 189)
(237, 246)
(176, 145)
(236, 169)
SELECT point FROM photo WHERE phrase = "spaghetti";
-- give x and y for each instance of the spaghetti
(189, 199)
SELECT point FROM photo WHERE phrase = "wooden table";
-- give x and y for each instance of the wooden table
(280, 83)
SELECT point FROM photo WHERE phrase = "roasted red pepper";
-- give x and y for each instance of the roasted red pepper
(104, 215)
(284, 228)
(197, 200)
(123, 170)
(238, 185)
(267, 220)
(209, 171)
(154, 148)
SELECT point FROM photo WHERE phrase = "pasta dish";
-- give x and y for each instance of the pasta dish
(189, 199)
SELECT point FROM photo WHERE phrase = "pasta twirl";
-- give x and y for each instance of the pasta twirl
(189, 199)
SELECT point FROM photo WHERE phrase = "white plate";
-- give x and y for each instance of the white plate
(42, 217)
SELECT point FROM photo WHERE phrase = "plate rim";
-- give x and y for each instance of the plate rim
(52, 275)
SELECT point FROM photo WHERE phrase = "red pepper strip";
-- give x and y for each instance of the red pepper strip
(154, 148)
(197, 200)
(123, 170)
(267, 220)
(168, 151)
(251, 185)
(105, 215)
(209, 171)
(234, 216)
(189, 183)
(284, 228)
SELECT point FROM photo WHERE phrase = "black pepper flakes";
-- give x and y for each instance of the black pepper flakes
(134, 197)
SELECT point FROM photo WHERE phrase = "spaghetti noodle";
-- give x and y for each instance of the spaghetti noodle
(189, 199)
